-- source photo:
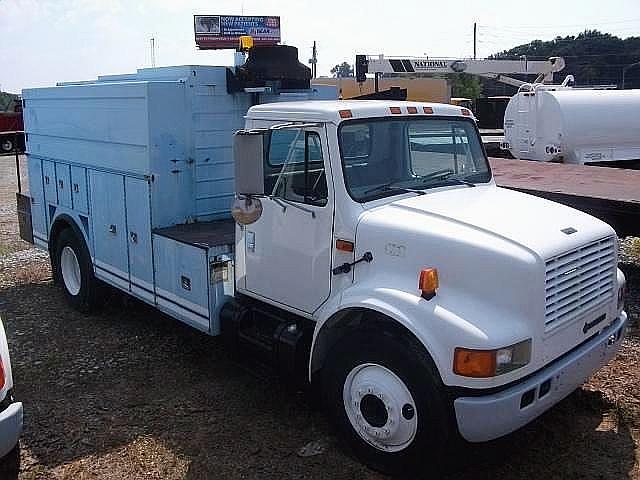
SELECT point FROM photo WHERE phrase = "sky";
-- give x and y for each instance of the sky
(47, 41)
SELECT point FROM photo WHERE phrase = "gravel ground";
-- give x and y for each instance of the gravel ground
(130, 393)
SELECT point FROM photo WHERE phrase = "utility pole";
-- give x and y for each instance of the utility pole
(313, 61)
(153, 52)
(475, 30)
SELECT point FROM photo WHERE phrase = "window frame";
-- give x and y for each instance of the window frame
(307, 135)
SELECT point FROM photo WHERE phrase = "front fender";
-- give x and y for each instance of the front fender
(436, 327)
(398, 305)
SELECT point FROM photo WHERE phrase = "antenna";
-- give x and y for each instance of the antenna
(313, 60)
(475, 30)
(153, 52)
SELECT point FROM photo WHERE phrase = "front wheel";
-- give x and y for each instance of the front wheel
(385, 396)
(73, 270)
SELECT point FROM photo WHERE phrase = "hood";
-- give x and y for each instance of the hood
(531, 222)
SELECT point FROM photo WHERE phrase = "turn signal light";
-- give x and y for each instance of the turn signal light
(489, 363)
(395, 110)
(345, 114)
(344, 245)
(428, 283)
(474, 363)
(427, 109)
(412, 110)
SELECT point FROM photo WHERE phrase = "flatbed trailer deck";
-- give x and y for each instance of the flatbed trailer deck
(611, 194)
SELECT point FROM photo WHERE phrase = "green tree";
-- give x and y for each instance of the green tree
(592, 57)
(7, 101)
(465, 85)
(342, 70)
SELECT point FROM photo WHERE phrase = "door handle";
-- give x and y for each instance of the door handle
(46, 179)
(61, 184)
(134, 237)
(76, 188)
(346, 267)
(113, 229)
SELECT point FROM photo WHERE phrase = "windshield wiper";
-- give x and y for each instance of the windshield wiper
(389, 187)
(444, 177)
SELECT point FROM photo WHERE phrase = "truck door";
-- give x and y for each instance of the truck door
(288, 249)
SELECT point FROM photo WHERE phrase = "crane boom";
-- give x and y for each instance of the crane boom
(488, 68)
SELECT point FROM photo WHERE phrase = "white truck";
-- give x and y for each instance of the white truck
(372, 256)
(10, 416)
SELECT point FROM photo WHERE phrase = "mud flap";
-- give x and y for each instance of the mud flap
(24, 217)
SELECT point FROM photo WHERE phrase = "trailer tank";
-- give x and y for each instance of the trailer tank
(564, 124)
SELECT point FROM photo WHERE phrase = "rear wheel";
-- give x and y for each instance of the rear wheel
(385, 396)
(6, 145)
(73, 271)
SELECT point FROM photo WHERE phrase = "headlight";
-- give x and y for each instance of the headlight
(622, 290)
(489, 363)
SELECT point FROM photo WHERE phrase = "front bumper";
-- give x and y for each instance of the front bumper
(10, 427)
(488, 417)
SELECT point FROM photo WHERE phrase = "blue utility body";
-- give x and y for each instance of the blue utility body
(142, 164)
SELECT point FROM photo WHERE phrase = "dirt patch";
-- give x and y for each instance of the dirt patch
(130, 393)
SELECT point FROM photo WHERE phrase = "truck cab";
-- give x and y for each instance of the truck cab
(362, 247)
(434, 296)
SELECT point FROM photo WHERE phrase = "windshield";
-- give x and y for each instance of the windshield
(388, 156)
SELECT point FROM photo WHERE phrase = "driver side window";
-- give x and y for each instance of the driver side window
(294, 167)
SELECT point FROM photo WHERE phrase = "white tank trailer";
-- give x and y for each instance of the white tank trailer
(572, 125)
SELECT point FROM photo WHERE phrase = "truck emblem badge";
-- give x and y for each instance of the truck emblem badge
(568, 230)
(589, 325)
(395, 250)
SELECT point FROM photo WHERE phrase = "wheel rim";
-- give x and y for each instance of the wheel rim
(70, 268)
(380, 407)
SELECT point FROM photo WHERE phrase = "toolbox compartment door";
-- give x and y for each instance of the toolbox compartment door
(63, 184)
(182, 281)
(36, 192)
(109, 228)
(49, 183)
(139, 237)
(79, 189)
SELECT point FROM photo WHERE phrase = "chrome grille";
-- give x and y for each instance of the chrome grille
(578, 281)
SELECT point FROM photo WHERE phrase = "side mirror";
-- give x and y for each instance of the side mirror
(248, 156)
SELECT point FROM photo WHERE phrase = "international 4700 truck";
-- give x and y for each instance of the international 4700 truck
(362, 246)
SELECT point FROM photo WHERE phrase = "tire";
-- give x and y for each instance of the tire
(10, 464)
(73, 271)
(6, 145)
(398, 394)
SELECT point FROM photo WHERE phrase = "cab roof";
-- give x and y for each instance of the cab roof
(329, 110)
